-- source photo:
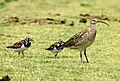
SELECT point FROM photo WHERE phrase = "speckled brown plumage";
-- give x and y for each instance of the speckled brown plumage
(80, 39)
(16, 45)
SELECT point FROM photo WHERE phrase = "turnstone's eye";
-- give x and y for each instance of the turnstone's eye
(52, 47)
(58, 48)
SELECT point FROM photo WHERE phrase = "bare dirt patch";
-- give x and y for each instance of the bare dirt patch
(30, 20)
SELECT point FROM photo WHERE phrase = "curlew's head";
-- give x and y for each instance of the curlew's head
(95, 21)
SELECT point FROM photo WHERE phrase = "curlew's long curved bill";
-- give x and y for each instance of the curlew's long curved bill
(103, 22)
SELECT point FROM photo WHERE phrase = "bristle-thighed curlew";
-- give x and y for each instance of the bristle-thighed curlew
(83, 39)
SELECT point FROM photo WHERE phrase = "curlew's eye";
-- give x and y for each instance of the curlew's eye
(93, 20)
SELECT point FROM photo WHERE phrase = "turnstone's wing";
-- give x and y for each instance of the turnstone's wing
(17, 44)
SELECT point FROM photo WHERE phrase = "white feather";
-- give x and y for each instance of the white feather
(55, 50)
(22, 48)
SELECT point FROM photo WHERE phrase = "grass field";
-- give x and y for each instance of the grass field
(40, 65)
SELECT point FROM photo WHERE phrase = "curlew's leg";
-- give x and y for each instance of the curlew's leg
(86, 56)
(56, 55)
(23, 53)
(81, 56)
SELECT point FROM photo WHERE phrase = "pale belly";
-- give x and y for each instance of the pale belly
(55, 50)
(23, 48)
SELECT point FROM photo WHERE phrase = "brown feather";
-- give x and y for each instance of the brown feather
(16, 45)
(73, 40)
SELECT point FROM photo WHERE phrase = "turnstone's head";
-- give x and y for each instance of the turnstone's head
(28, 38)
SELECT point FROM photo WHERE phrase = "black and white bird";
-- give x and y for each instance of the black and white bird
(21, 46)
(56, 47)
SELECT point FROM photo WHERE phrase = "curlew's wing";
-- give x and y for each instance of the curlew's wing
(77, 39)
(16, 45)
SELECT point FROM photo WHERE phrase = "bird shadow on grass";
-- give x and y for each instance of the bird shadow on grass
(67, 57)
(52, 57)
(59, 57)
(84, 62)
(20, 56)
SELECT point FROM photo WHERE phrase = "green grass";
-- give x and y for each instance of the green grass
(40, 65)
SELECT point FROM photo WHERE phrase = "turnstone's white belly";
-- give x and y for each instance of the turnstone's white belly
(22, 48)
(55, 50)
